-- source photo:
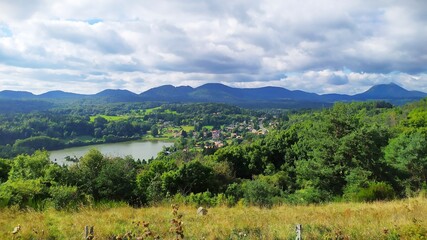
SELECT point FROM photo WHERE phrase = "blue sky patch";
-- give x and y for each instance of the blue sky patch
(5, 31)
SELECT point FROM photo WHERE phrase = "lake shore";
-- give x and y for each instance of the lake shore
(138, 149)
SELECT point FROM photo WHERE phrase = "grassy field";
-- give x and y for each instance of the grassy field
(405, 219)
(187, 128)
(209, 127)
(110, 118)
(151, 110)
(140, 114)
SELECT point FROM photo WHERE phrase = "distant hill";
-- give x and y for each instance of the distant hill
(265, 97)
(215, 92)
(167, 92)
(61, 95)
(16, 94)
(116, 95)
(389, 91)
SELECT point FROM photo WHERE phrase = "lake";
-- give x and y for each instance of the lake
(136, 149)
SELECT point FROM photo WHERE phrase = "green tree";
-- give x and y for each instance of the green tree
(99, 122)
(407, 153)
(5, 166)
(190, 177)
(84, 174)
(236, 156)
(155, 190)
(154, 130)
(30, 166)
(116, 179)
(147, 179)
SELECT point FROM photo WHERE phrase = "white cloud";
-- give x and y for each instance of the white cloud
(319, 46)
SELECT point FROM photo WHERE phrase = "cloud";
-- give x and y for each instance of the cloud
(320, 46)
(338, 80)
(19, 9)
(101, 37)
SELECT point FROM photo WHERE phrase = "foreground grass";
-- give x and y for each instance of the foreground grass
(405, 219)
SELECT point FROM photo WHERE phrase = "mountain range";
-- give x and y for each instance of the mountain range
(215, 92)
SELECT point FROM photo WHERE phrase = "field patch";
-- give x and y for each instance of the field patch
(110, 118)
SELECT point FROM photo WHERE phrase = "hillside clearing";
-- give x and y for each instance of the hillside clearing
(405, 219)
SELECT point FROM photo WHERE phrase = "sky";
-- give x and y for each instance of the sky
(320, 46)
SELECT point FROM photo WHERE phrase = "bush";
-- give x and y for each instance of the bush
(21, 192)
(64, 196)
(202, 199)
(260, 193)
(155, 191)
(376, 191)
(234, 193)
(308, 195)
(192, 177)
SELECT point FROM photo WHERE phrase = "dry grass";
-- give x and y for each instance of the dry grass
(405, 219)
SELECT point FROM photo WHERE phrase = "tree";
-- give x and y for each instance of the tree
(190, 177)
(407, 153)
(5, 166)
(147, 180)
(155, 189)
(84, 174)
(154, 131)
(244, 163)
(30, 166)
(100, 122)
(116, 179)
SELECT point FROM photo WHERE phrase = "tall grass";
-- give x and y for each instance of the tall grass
(404, 219)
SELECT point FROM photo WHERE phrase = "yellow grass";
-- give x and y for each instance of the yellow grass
(405, 219)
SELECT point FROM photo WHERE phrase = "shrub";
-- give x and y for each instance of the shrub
(308, 195)
(64, 196)
(374, 192)
(204, 199)
(20, 192)
(234, 193)
(260, 193)
(155, 191)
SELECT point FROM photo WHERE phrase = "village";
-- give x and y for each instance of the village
(209, 138)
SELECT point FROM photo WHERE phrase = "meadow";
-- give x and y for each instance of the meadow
(400, 219)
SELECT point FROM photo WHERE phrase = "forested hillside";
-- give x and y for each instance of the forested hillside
(362, 151)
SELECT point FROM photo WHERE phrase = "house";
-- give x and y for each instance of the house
(216, 134)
